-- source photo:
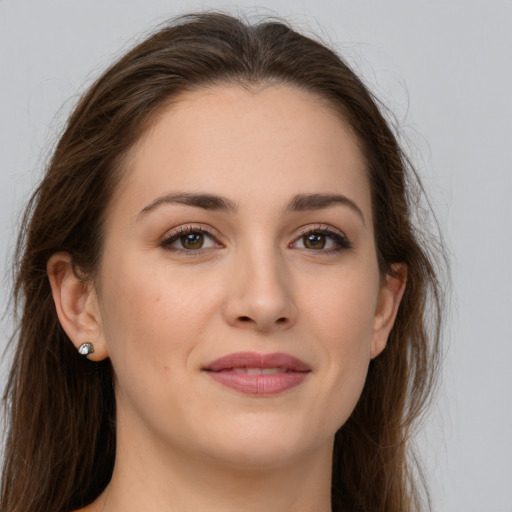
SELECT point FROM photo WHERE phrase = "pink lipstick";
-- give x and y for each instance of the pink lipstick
(258, 374)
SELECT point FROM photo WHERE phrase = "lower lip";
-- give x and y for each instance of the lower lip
(261, 384)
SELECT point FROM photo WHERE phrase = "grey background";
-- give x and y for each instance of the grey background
(444, 68)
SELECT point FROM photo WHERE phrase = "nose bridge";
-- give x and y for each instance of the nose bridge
(261, 295)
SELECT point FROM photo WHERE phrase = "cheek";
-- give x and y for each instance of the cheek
(342, 308)
(152, 318)
(341, 318)
(153, 322)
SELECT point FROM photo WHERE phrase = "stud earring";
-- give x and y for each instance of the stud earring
(85, 349)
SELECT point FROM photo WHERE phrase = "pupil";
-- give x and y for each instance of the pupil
(192, 241)
(314, 241)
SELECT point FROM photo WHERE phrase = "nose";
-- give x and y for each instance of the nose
(260, 294)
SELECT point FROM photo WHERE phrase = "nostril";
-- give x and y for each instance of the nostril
(281, 320)
(245, 319)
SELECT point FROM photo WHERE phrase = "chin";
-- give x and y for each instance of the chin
(258, 445)
(259, 457)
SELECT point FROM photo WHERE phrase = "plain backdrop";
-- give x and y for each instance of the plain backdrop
(445, 69)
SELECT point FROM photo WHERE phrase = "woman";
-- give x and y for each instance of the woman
(224, 304)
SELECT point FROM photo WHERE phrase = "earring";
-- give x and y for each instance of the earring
(85, 349)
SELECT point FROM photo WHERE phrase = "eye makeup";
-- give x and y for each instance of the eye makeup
(195, 239)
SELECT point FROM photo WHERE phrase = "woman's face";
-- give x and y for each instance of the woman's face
(238, 295)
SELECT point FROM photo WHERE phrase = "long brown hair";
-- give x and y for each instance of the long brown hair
(60, 445)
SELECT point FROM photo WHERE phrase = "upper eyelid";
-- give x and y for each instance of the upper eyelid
(308, 228)
(214, 233)
(190, 228)
(173, 235)
(327, 230)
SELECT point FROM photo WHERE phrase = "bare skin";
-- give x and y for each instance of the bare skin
(268, 266)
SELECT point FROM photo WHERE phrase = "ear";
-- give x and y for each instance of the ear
(77, 306)
(390, 294)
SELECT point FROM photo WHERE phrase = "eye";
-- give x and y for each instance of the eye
(322, 239)
(189, 239)
(192, 240)
(314, 241)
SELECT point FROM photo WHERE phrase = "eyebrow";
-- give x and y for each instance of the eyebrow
(304, 202)
(204, 201)
(299, 203)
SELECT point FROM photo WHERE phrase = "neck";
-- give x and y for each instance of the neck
(172, 482)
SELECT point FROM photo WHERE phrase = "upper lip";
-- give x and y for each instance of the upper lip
(258, 360)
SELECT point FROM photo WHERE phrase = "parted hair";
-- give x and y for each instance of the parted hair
(60, 408)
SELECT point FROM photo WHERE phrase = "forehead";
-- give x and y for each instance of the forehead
(266, 142)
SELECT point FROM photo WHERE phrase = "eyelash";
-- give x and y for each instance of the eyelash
(177, 233)
(340, 240)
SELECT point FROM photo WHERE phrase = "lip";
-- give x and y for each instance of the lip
(230, 371)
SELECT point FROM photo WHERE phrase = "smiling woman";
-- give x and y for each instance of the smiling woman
(239, 313)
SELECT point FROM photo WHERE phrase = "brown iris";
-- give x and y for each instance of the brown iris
(192, 240)
(314, 241)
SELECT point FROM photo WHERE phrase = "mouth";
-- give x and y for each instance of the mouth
(258, 374)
